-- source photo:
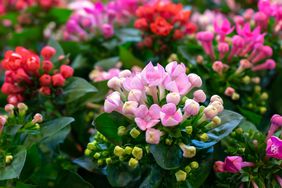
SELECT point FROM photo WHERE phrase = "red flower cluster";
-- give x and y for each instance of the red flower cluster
(25, 73)
(164, 19)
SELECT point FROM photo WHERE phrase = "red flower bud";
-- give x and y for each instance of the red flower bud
(14, 99)
(45, 80)
(66, 71)
(48, 52)
(58, 80)
(47, 66)
(45, 90)
(32, 64)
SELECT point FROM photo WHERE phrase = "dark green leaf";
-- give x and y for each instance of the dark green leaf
(167, 157)
(71, 180)
(86, 163)
(153, 180)
(128, 60)
(14, 169)
(61, 15)
(108, 63)
(77, 88)
(108, 125)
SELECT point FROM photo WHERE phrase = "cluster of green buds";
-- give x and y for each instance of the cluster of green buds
(182, 174)
(16, 118)
(106, 153)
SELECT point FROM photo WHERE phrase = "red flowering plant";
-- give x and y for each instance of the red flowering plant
(163, 24)
(28, 76)
(254, 159)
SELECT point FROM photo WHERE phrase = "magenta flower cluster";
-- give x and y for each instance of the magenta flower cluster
(90, 19)
(157, 96)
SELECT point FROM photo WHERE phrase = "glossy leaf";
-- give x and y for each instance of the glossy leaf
(108, 63)
(154, 178)
(14, 169)
(128, 59)
(167, 157)
(71, 180)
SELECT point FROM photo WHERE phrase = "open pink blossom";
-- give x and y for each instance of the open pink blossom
(179, 85)
(274, 147)
(153, 136)
(170, 116)
(224, 28)
(153, 76)
(191, 108)
(174, 69)
(234, 164)
(147, 118)
(113, 102)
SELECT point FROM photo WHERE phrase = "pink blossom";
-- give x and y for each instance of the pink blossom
(218, 166)
(234, 164)
(274, 147)
(195, 80)
(147, 118)
(153, 76)
(223, 28)
(267, 65)
(219, 67)
(174, 69)
(223, 48)
(173, 98)
(229, 91)
(199, 96)
(170, 116)
(180, 84)
(276, 123)
(113, 102)
(136, 95)
(107, 30)
(191, 108)
(133, 82)
(153, 136)
(206, 38)
(129, 107)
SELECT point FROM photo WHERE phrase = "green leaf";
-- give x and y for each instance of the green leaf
(71, 180)
(77, 88)
(252, 116)
(128, 59)
(128, 35)
(108, 124)
(167, 157)
(61, 15)
(86, 163)
(153, 180)
(121, 175)
(59, 50)
(14, 169)
(51, 128)
(108, 63)
(246, 126)
(79, 62)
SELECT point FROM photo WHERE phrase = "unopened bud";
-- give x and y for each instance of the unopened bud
(9, 108)
(188, 169)
(194, 165)
(87, 152)
(128, 150)
(22, 108)
(121, 130)
(133, 163)
(180, 175)
(134, 133)
(257, 89)
(100, 162)
(114, 83)
(246, 79)
(256, 80)
(239, 130)
(91, 146)
(137, 153)
(199, 59)
(168, 141)
(235, 96)
(118, 151)
(264, 96)
(216, 120)
(8, 159)
(37, 118)
(97, 155)
(189, 129)
(262, 110)
(204, 137)
(188, 151)
(109, 161)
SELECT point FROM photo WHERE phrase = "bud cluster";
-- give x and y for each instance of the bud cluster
(26, 74)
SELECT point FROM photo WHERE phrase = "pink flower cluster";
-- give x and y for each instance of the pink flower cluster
(231, 164)
(157, 96)
(90, 19)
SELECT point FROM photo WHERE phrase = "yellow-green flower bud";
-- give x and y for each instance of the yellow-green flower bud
(262, 110)
(37, 126)
(137, 153)
(194, 165)
(128, 150)
(239, 130)
(109, 161)
(168, 141)
(257, 89)
(87, 152)
(189, 129)
(246, 80)
(97, 155)
(204, 137)
(173, 57)
(8, 159)
(121, 130)
(264, 96)
(180, 175)
(235, 96)
(105, 153)
(216, 120)
(188, 169)
(100, 162)
(188, 151)
(118, 151)
(91, 146)
(133, 163)
(134, 133)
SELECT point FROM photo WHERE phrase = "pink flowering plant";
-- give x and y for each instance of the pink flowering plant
(254, 159)
(158, 124)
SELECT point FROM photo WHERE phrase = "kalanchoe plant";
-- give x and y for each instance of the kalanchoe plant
(162, 25)
(27, 76)
(235, 63)
(255, 160)
(156, 130)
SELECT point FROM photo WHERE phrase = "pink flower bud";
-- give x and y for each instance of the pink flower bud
(173, 98)
(191, 108)
(229, 91)
(114, 83)
(223, 48)
(66, 71)
(153, 76)
(170, 116)
(124, 73)
(216, 98)
(135, 95)
(48, 52)
(199, 96)
(107, 30)
(58, 80)
(276, 123)
(218, 166)
(195, 80)
(112, 102)
(9, 108)
(234, 164)
(210, 112)
(37, 118)
(153, 136)
(217, 105)
(267, 65)
(129, 107)
(3, 121)
(218, 67)
(205, 36)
